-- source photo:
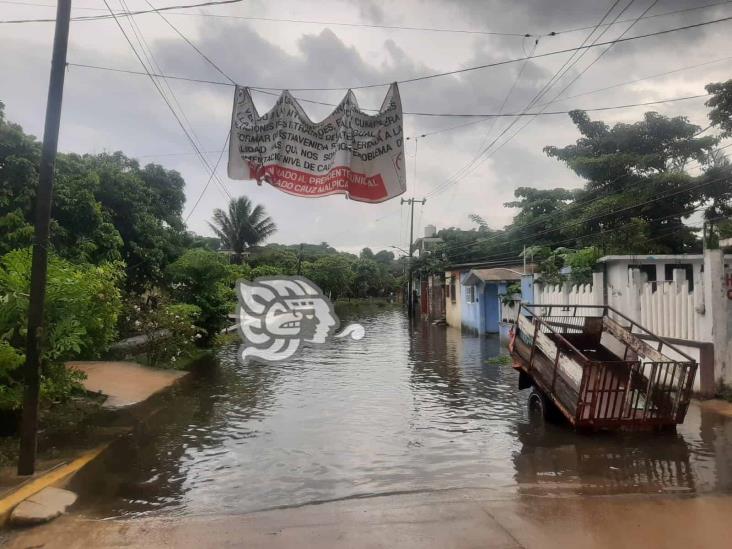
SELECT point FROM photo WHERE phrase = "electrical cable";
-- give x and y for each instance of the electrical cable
(452, 72)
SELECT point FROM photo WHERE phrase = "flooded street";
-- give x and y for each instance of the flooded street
(402, 410)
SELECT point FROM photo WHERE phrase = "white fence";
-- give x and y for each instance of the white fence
(668, 309)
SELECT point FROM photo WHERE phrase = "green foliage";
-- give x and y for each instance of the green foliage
(105, 208)
(81, 311)
(203, 278)
(632, 164)
(721, 106)
(513, 292)
(171, 330)
(582, 263)
(82, 305)
(266, 270)
(333, 274)
(283, 261)
(10, 389)
(499, 360)
(551, 262)
(242, 226)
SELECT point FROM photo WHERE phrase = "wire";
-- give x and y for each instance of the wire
(468, 168)
(347, 24)
(585, 203)
(213, 172)
(115, 15)
(583, 71)
(457, 71)
(613, 212)
(159, 89)
(191, 44)
(416, 113)
(147, 52)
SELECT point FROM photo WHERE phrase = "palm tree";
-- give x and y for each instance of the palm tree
(242, 226)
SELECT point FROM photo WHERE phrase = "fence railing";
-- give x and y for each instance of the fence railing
(667, 308)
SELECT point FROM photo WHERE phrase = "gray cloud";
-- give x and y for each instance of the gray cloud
(115, 111)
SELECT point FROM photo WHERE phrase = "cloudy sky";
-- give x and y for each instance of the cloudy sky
(109, 111)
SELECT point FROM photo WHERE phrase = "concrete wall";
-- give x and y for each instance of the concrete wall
(618, 273)
(453, 311)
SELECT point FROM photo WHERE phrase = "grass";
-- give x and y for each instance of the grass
(725, 393)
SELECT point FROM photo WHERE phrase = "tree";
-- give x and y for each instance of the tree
(627, 168)
(332, 274)
(105, 207)
(242, 226)
(202, 278)
(538, 221)
(82, 305)
(721, 106)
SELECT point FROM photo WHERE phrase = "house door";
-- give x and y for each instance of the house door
(491, 309)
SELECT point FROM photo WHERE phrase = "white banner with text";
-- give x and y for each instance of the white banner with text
(350, 152)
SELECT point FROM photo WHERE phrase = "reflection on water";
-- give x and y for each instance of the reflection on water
(401, 410)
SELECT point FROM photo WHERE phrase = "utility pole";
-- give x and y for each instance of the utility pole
(29, 424)
(410, 302)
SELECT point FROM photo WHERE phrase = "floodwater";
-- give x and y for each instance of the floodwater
(404, 409)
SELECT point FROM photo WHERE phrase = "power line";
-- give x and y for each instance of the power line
(456, 71)
(191, 44)
(415, 113)
(115, 15)
(147, 52)
(613, 212)
(589, 202)
(213, 172)
(583, 71)
(347, 24)
(160, 91)
(588, 92)
(536, 56)
(568, 63)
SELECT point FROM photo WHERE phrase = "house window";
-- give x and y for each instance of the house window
(669, 272)
(470, 294)
(451, 291)
(648, 270)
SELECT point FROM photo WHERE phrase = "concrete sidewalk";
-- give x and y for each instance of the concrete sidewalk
(124, 383)
(449, 519)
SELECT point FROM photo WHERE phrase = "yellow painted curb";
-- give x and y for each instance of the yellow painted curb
(35, 485)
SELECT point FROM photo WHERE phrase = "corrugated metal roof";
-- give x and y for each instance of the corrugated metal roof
(496, 274)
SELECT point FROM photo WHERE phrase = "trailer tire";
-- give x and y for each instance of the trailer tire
(537, 405)
(542, 408)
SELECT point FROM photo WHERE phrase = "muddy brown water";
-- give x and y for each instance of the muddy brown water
(407, 408)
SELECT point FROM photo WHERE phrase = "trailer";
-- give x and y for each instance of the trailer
(599, 369)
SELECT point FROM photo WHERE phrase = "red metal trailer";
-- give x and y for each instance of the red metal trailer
(600, 369)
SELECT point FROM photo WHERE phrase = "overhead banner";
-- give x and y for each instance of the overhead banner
(350, 152)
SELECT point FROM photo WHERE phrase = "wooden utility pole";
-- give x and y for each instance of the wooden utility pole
(410, 302)
(29, 425)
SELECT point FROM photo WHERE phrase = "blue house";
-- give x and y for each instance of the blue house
(482, 290)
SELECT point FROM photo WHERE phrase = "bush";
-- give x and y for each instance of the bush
(203, 278)
(81, 309)
(170, 330)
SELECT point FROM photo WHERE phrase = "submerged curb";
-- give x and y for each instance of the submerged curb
(53, 477)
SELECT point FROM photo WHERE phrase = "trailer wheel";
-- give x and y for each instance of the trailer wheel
(537, 406)
(541, 408)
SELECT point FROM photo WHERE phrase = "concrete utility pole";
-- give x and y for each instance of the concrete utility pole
(29, 425)
(410, 302)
